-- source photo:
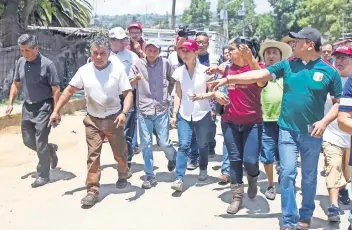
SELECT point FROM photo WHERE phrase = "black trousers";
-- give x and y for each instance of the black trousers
(35, 132)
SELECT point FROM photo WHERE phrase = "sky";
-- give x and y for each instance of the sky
(111, 7)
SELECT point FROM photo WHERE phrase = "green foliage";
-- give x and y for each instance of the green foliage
(327, 16)
(2, 7)
(265, 27)
(236, 23)
(62, 13)
(197, 15)
(287, 13)
(74, 13)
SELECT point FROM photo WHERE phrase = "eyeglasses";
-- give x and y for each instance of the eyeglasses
(202, 43)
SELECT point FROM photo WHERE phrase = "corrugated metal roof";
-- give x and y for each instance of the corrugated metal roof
(68, 30)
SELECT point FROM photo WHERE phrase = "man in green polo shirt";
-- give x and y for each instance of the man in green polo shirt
(307, 81)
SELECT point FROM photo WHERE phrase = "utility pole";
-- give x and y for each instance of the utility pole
(225, 20)
(173, 14)
(244, 10)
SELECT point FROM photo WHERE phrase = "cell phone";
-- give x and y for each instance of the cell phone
(310, 128)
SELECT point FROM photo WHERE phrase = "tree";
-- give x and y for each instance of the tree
(237, 23)
(197, 15)
(265, 26)
(48, 12)
(327, 16)
(287, 13)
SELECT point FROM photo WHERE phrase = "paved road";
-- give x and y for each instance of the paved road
(56, 206)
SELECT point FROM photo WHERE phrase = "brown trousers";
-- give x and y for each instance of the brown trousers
(96, 130)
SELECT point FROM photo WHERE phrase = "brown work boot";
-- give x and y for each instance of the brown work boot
(252, 187)
(237, 198)
(90, 199)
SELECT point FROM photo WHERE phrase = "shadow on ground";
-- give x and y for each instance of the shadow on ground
(135, 168)
(56, 174)
(108, 189)
(188, 181)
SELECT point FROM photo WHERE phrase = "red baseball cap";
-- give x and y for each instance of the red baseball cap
(190, 45)
(135, 25)
(345, 49)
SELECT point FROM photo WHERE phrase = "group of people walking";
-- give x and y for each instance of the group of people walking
(276, 100)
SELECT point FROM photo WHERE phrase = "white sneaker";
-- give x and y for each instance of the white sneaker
(177, 185)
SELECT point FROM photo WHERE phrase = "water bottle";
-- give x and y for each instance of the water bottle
(223, 89)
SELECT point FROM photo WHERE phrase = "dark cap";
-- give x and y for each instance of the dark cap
(309, 33)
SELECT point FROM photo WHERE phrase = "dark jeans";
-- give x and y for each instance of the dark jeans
(130, 125)
(212, 142)
(35, 132)
(194, 150)
(194, 154)
(185, 129)
(243, 143)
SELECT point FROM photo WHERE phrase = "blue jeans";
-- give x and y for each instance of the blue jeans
(194, 150)
(290, 144)
(243, 143)
(212, 142)
(225, 167)
(130, 126)
(184, 131)
(134, 139)
(194, 154)
(161, 125)
(270, 150)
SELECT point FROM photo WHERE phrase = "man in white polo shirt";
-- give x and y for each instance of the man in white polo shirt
(102, 81)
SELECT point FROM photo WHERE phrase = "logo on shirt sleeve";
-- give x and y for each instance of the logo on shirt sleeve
(318, 76)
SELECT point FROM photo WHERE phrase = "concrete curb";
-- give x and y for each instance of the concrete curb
(69, 108)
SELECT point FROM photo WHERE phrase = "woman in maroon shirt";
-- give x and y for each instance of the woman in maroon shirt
(241, 120)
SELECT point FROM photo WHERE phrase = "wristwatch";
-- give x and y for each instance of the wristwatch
(123, 112)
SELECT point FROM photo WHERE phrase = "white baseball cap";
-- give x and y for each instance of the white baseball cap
(117, 33)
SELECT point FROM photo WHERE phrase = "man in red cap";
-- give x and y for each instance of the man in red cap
(337, 143)
(137, 43)
(343, 62)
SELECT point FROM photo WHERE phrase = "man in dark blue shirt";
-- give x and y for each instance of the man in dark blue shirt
(41, 87)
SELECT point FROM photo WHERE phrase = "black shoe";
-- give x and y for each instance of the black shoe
(121, 183)
(171, 165)
(53, 157)
(40, 181)
(89, 200)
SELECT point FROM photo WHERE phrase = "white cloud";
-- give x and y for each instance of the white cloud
(118, 7)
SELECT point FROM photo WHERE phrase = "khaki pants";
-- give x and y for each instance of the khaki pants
(335, 163)
(96, 130)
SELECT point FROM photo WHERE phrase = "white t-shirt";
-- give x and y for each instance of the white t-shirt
(102, 88)
(129, 59)
(189, 110)
(332, 133)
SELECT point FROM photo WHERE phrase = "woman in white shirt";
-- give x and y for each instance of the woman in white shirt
(191, 112)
